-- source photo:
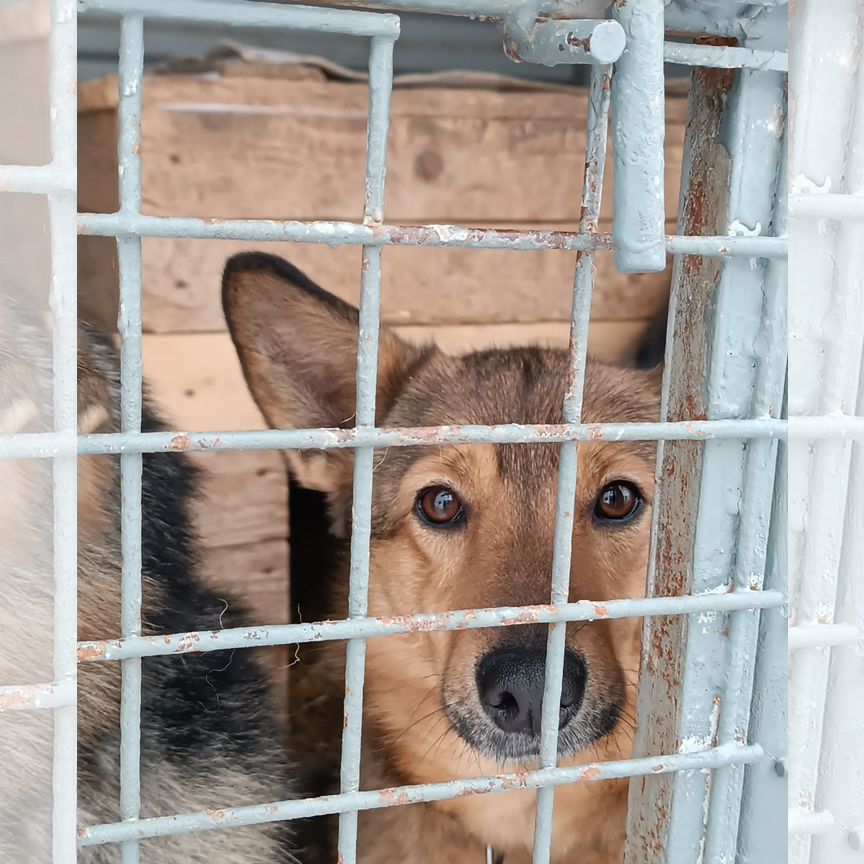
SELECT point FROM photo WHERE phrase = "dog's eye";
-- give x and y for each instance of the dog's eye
(440, 506)
(617, 501)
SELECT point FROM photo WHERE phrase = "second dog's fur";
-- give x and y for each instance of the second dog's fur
(459, 527)
(208, 734)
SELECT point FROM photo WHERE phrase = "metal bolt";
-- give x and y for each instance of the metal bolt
(554, 42)
(606, 42)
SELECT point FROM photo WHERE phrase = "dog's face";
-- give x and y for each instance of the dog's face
(460, 527)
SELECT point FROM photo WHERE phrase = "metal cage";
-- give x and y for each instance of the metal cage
(706, 784)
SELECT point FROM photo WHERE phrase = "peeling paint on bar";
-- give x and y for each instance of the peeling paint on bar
(35, 697)
(464, 619)
(47, 445)
(233, 817)
(435, 236)
(555, 42)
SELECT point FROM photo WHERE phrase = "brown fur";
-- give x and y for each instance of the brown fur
(297, 347)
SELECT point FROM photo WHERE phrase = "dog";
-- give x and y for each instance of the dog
(460, 527)
(209, 737)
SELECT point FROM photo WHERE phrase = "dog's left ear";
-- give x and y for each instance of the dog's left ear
(297, 345)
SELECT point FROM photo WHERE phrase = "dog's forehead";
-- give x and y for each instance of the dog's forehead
(520, 385)
(516, 386)
(525, 385)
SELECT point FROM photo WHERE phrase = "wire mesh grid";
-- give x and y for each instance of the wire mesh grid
(826, 632)
(638, 242)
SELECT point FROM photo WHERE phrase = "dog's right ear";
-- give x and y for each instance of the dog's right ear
(297, 346)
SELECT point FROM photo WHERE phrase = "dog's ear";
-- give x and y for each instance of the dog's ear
(297, 346)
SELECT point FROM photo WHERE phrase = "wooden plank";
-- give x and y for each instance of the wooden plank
(471, 154)
(196, 380)
(420, 286)
(245, 498)
(257, 572)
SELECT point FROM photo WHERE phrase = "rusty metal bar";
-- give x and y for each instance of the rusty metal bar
(434, 236)
(233, 817)
(465, 619)
(46, 445)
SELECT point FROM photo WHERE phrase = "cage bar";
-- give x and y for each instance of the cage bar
(725, 57)
(130, 74)
(825, 766)
(434, 236)
(45, 445)
(239, 13)
(764, 808)
(804, 636)
(825, 368)
(761, 148)
(708, 373)
(592, 189)
(730, 542)
(234, 817)
(34, 697)
(64, 309)
(380, 87)
(461, 619)
(639, 131)
(36, 179)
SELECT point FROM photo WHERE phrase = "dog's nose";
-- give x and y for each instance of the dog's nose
(510, 683)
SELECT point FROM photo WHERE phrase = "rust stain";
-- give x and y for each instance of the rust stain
(188, 643)
(575, 42)
(216, 815)
(601, 611)
(529, 615)
(11, 701)
(517, 781)
(92, 652)
(181, 442)
(591, 774)
(394, 796)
